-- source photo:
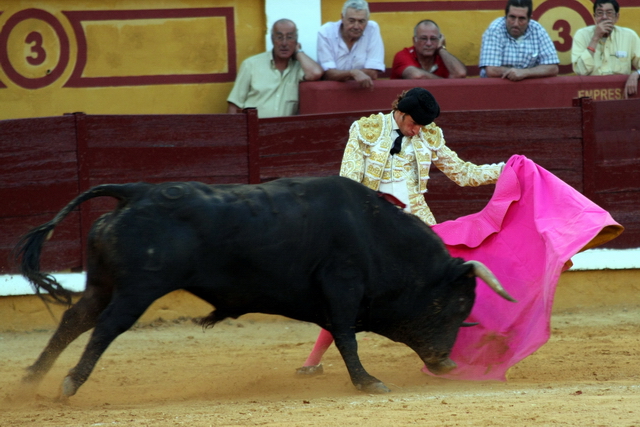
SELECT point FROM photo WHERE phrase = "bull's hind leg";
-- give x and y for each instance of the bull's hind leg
(78, 319)
(123, 311)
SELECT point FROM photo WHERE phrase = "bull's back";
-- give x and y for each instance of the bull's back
(296, 219)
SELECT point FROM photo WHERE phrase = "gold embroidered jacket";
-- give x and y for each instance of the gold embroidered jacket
(367, 160)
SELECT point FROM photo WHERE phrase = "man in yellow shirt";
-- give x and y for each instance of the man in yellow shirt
(604, 48)
(269, 81)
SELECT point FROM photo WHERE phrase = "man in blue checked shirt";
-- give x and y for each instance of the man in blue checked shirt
(515, 47)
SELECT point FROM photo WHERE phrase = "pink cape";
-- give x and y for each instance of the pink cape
(526, 235)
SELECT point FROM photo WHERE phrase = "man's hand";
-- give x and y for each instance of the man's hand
(362, 78)
(442, 43)
(515, 74)
(233, 108)
(631, 86)
(604, 28)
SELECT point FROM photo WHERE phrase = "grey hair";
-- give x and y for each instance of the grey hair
(283, 21)
(424, 22)
(357, 5)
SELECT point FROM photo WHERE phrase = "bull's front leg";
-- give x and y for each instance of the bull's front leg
(346, 342)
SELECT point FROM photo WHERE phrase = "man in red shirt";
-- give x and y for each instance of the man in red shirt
(428, 58)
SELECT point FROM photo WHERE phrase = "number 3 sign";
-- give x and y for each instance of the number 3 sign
(46, 49)
(564, 17)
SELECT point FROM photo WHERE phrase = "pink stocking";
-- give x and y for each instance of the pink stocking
(322, 344)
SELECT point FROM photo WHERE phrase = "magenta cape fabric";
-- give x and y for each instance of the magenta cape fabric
(532, 226)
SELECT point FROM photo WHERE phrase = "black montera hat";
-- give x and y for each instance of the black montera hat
(420, 105)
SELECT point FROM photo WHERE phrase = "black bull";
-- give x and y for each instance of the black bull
(323, 250)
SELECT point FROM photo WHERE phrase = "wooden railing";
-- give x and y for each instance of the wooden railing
(463, 94)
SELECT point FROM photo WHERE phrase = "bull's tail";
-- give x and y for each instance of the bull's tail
(27, 251)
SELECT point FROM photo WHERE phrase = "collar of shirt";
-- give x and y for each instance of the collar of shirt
(433, 68)
(394, 124)
(342, 43)
(273, 62)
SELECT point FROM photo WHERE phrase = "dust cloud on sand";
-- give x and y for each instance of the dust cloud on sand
(241, 373)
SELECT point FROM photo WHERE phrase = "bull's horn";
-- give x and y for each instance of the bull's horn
(481, 271)
(469, 324)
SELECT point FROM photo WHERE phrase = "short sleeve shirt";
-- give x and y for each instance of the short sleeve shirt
(367, 52)
(261, 85)
(407, 57)
(531, 49)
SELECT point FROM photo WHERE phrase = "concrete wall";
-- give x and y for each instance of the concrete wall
(181, 56)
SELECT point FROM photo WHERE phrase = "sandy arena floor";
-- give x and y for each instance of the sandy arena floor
(241, 373)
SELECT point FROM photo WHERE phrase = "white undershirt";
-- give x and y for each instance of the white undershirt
(398, 189)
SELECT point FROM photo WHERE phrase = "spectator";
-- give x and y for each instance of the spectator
(604, 48)
(351, 49)
(428, 58)
(515, 47)
(269, 81)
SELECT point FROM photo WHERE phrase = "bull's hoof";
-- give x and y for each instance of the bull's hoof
(374, 388)
(32, 376)
(310, 371)
(441, 368)
(30, 379)
(69, 388)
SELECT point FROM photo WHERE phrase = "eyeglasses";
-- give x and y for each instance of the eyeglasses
(608, 13)
(288, 37)
(426, 39)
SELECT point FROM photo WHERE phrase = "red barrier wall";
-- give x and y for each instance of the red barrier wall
(304, 145)
(612, 161)
(38, 174)
(46, 162)
(464, 94)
